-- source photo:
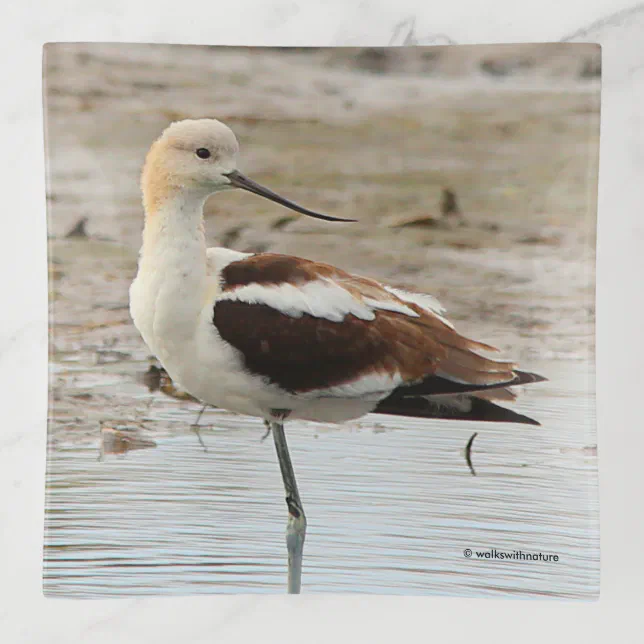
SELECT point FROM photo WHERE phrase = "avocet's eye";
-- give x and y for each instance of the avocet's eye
(203, 153)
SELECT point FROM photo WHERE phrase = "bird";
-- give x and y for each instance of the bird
(281, 337)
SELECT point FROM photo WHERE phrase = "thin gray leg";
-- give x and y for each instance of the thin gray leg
(296, 526)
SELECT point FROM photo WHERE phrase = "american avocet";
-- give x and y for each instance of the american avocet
(282, 337)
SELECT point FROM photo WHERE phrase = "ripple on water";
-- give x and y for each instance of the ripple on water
(390, 502)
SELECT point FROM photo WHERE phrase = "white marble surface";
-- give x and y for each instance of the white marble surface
(25, 616)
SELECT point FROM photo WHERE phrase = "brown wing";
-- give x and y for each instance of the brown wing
(308, 352)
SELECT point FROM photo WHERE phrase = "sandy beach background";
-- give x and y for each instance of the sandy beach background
(373, 134)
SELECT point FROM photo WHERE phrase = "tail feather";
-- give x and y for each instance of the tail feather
(439, 385)
(465, 407)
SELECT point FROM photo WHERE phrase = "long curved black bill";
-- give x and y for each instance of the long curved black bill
(238, 180)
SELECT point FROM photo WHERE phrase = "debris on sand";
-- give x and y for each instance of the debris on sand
(450, 215)
(545, 238)
(108, 356)
(78, 229)
(282, 221)
(231, 236)
(505, 66)
(449, 206)
(120, 441)
(414, 221)
(376, 60)
(591, 68)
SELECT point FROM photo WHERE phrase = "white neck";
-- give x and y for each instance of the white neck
(171, 288)
(172, 264)
(174, 237)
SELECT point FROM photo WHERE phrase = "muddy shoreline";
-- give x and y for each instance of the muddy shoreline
(511, 133)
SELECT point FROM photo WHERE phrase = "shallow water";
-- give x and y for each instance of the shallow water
(391, 505)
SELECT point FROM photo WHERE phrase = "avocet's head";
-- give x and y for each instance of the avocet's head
(197, 158)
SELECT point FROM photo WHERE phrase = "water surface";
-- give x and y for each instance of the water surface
(391, 505)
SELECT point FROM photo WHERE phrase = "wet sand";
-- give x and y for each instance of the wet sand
(519, 152)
